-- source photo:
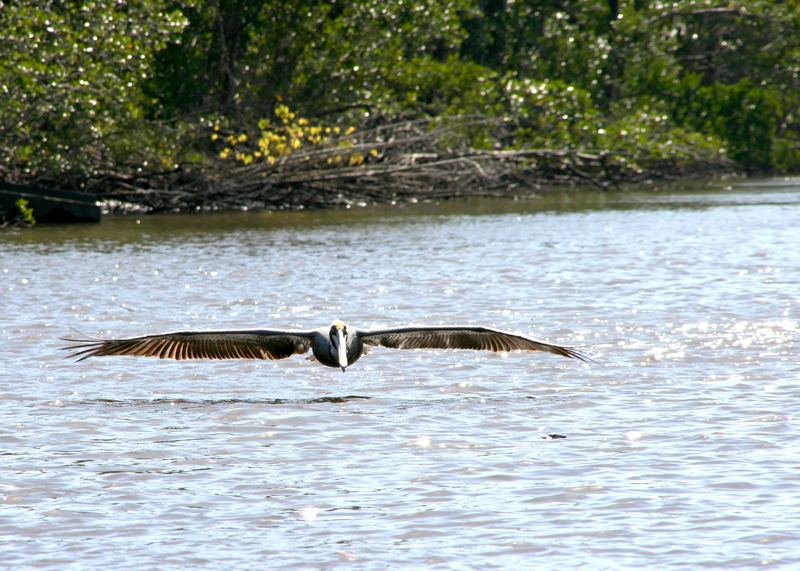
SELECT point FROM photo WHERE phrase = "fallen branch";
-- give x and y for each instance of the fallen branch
(408, 160)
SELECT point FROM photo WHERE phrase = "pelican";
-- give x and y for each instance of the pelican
(336, 346)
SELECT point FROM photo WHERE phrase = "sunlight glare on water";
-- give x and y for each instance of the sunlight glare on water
(677, 448)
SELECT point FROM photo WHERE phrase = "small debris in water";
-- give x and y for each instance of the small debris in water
(553, 436)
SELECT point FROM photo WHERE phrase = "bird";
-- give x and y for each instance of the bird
(335, 346)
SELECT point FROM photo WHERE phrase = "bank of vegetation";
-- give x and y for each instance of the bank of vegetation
(296, 104)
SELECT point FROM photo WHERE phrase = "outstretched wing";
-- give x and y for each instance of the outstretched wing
(479, 338)
(248, 344)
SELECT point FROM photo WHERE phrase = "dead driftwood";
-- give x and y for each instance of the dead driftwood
(401, 162)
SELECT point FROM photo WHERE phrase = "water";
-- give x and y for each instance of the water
(677, 449)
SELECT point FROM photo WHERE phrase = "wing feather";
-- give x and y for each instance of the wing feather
(247, 344)
(477, 338)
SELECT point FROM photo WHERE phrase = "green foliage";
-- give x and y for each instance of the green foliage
(451, 87)
(355, 56)
(241, 58)
(743, 116)
(551, 113)
(646, 132)
(786, 155)
(70, 81)
(98, 86)
(25, 212)
(574, 73)
(550, 39)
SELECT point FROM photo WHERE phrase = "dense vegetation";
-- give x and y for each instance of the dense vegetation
(182, 96)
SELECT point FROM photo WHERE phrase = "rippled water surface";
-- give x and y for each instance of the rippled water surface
(676, 449)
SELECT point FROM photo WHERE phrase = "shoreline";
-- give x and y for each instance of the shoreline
(476, 175)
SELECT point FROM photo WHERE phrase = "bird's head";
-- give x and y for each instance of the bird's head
(338, 336)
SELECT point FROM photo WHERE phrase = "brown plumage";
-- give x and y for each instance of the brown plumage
(334, 347)
(255, 344)
(477, 338)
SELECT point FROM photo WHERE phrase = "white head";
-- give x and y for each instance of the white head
(339, 342)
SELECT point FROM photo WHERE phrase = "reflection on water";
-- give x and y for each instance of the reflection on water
(139, 229)
(677, 448)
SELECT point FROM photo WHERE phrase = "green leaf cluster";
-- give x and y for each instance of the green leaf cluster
(25, 212)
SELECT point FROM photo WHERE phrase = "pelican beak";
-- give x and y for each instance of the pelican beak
(342, 350)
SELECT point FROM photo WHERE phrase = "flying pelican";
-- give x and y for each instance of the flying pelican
(336, 346)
